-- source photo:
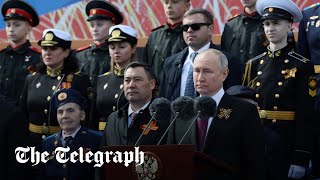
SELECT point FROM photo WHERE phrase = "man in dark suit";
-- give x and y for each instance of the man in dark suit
(176, 78)
(69, 105)
(126, 125)
(234, 135)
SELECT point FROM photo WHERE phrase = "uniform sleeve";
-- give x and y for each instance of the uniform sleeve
(224, 38)
(303, 46)
(303, 115)
(24, 97)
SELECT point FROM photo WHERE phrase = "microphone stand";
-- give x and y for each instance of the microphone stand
(147, 127)
(194, 120)
(174, 119)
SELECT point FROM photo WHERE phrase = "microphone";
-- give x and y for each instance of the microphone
(206, 107)
(160, 110)
(182, 107)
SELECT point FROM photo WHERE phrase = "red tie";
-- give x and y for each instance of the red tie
(202, 130)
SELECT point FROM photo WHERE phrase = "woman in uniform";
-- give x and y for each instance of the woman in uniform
(59, 70)
(122, 48)
(284, 83)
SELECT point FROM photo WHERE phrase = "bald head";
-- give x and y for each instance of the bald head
(209, 71)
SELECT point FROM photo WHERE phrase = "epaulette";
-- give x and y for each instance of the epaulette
(298, 57)
(311, 6)
(83, 48)
(104, 74)
(257, 57)
(157, 28)
(35, 49)
(233, 17)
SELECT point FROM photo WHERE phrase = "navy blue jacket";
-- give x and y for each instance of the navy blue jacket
(88, 139)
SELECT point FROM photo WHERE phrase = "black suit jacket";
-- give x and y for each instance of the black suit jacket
(236, 140)
(170, 81)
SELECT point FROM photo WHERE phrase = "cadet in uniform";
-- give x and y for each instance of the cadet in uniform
(110, 97)
(309, 46)
(243, 35)
(18, 59)
(68, 105)
(167, 39)
(58, 71)
(283, 81)
(95, 58)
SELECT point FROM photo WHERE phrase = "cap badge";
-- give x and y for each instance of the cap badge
(49, 36)
(94, 11)
(116, 33)
(62, 96)
(270, 9)
(13, 10)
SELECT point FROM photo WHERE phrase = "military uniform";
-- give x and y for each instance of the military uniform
(36, 96)
(243, 36)
(308, 45)
(110, 95)
(284, 82)
(15, 65)
(87, 139)
(163, 42)
(94, 60)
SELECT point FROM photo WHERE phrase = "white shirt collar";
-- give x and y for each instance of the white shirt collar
(130, 110)
(205, 47)
(218, 96)
(73, 134)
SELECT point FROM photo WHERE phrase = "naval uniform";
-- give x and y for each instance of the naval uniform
(88, 139)
(110, 95)
(308, 46)
(284, 83)
(37, 92)
(15, 65)
(94, 60)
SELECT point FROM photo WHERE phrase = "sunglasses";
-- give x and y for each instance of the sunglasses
(194, 27)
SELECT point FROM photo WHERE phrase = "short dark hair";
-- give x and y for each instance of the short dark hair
(147, 68)
(207, 15)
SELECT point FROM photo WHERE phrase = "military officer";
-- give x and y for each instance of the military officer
(94, 59)
(18, 59)
(308, 46)
(68, 105)
(58, 71)
(243, 35)
(110, 97)
(167, 39)
(284, 84)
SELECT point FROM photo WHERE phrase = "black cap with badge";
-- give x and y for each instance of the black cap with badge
(64, 96)
(101, 9)
(17, 9)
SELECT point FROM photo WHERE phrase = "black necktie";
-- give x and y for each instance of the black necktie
(68, 140)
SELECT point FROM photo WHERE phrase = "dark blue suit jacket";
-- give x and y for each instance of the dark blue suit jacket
(170, 81)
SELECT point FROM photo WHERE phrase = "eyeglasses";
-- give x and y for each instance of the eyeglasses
(194, 27)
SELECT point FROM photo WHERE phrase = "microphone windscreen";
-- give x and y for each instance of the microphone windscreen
(160, 106)
(183, 105)
(206, 105)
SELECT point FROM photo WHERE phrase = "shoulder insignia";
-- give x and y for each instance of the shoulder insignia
(311, 6)
(104, 74)
(83, 48)
(233, 17)
(298, 57)
(257, 57)
(157, 28)
(35, 49)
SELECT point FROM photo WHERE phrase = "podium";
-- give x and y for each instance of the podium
(163, 162)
